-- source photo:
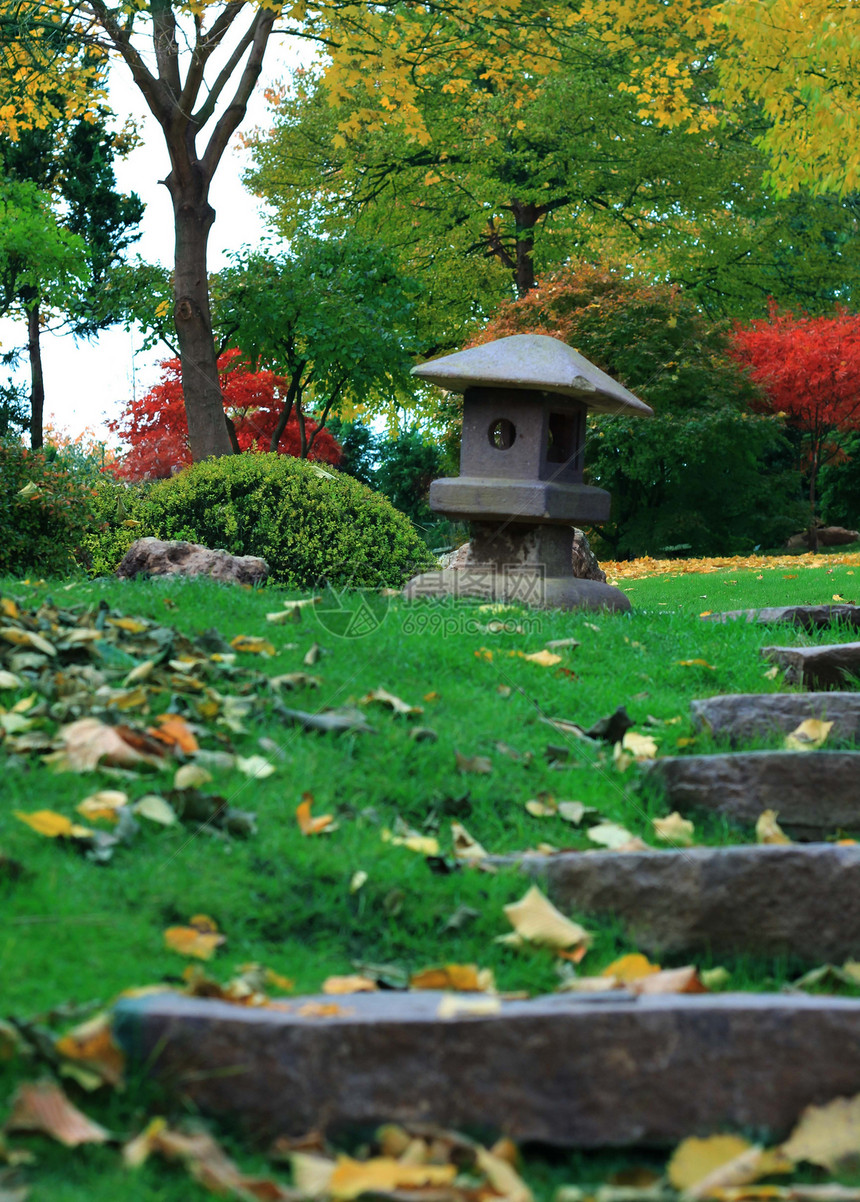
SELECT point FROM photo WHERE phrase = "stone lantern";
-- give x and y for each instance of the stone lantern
(525, 400)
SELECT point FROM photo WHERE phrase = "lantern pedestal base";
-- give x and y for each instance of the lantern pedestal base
(487, 583)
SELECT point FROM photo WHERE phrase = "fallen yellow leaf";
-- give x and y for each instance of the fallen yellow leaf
(175, 732)
(466, 849)
(827, 1135)
(92, 1045)
(309, 825)
(695, 663)
(349, 984)
(674, 829)
(463, 978)
(810, 734)
(423, 845)
(546, 659)
(695, 1159)
(630, 968)
(53, 825)
(536, 919)
(768, 830)
(256, 646)
(201, 938)
(453, 1005)
(351, 1178)
(104, 804)
(641, 747)
(610, 834)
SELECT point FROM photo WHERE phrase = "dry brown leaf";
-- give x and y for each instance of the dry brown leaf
(89, 742)
(809, 735)
(175, 732)
(201, 938)
(827, 1135)
(768, 830)
(674, 829)
(42, 1106)
(479, 764)
(206, 1161)
(383, 697)
(536, 919)
(349, 984)
(91, 1044)
(463, 978)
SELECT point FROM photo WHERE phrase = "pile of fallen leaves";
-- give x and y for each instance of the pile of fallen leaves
(423, 1163)
(636, 569)
(132, 698)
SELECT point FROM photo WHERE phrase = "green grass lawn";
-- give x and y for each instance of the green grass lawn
(74, 931)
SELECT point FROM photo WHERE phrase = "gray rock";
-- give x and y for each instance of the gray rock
(561, 1070)
(810, 617)
(816, 667)
(743, 716)
(583, 560)
(813, 792)
(825, 536)
(153, 557)
(802, 899)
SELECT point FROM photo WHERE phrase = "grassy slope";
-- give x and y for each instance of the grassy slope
(73, 931)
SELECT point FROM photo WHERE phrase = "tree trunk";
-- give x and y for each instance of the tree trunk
(204, 402)
(525, 216)
(37, 381)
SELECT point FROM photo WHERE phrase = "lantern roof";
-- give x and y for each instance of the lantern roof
(533, 363)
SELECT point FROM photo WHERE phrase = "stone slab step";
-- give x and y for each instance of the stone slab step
(810, 617)
(817, 667)
(561, 1070)
(742, 716)
(802, 899)
(814, 792)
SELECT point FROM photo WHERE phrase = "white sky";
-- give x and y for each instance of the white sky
(86, 382)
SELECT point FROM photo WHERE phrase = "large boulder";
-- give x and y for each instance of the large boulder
(827, 536)
(154, 557)
(584, 563)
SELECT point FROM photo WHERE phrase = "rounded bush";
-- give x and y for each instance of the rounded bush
(306, 521)
(45, 511)
(119, 518)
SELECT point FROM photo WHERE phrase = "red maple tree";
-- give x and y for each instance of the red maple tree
(155, 427)
(809, 370)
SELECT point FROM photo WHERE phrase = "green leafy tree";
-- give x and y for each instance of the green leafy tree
(503, 185)
(72, 166)
(706, 474)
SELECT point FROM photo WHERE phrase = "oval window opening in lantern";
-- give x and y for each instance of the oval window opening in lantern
(502, 434)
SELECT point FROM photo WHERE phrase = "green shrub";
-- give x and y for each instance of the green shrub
(45, 512)
(304, 520)
(119, 518)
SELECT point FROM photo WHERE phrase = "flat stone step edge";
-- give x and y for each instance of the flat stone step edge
(561, 1070)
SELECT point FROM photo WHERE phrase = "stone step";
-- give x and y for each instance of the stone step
(810, 617)
(562, 1070)
(802, 899)
(817, 667)
(743, 716)
(814, 792)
